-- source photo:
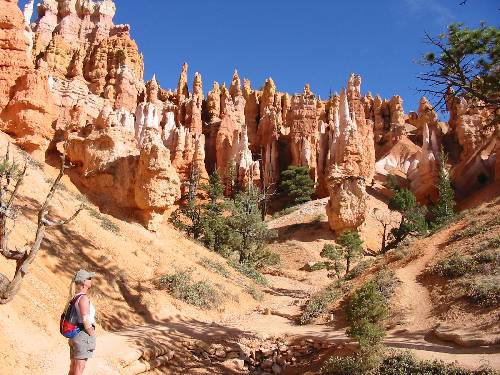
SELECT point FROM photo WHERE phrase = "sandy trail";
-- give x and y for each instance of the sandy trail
(414, 297)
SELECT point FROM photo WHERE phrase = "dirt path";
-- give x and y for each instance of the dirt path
(413, 296)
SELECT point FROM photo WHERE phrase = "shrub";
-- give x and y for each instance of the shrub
(285, 211)
(487, 256)
(386, 282)
(406, 363)
(483, 291)
(215, 266)
(249, 271)
(454, 266)
(181, 286)
(494, 243)
(359, 269)
(366, 310)
(106, 223)
(255, 293)
(320, 266)
(320, 302)
(350, 365)
(297, 184)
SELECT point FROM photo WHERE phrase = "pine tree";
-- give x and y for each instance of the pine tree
(297, 184)
(444, 210)
(188, 216)
(412, 215)
(336, 255)
(249, 233)
(352, 246)
(215, 227)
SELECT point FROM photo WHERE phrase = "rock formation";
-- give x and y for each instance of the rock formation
(74, 75)
(351, 163)
(157, 185)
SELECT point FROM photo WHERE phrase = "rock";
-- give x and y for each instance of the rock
(157, 184)
(351, 163)
(277, 369)
(30, 113)
(236, 364)
(267, 364)
(14, 49)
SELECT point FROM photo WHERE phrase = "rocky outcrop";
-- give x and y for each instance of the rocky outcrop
(303, 121)
(157, 185)
(473, 126)
(29, 115)
(79, 39)
(423, 178)
(352, 160)
(27, 110)
(88, 88)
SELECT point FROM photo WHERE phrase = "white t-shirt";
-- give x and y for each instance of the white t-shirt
(91, 310)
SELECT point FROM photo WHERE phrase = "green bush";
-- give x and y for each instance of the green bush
(405, 363)
(359, 269)
(366, 311)
(249, 271)
(320, 266)
(350, 365)
(386, 282)
(181, 286)
(319, 303)
(297, 184)
(256, 294)
(454, 266)
(215, 266)
(484, 291)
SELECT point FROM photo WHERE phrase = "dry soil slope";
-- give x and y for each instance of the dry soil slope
(127, 262)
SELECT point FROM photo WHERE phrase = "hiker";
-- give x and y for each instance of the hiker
(82, 346)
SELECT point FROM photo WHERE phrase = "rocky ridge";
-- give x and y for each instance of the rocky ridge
(75, 77)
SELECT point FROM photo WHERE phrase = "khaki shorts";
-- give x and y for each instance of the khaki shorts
(82, 346)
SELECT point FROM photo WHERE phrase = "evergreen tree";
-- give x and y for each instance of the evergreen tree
(297, 184)
(215, 228)
(465, 60)
(444, 210)
(412, 215)
(188, 216)
(249, 233)
(335, 254)
(352, 247)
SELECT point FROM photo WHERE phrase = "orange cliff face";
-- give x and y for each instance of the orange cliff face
(74, 75)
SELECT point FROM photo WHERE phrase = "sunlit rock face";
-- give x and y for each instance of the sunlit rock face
(351, 163)
(73, 75)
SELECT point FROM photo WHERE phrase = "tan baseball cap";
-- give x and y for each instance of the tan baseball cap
(83, 275)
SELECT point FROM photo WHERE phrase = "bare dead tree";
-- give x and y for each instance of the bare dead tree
(387, 222)
(11, 175)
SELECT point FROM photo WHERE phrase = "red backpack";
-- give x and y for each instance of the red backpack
(69, 325)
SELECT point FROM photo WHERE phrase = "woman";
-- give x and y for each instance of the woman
(82, 346)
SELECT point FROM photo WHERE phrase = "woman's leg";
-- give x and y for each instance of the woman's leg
(79, 366)
(72, 367)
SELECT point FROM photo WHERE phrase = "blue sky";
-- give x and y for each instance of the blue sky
(296, 42)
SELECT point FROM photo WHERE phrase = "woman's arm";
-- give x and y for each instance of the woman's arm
(84, 305)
